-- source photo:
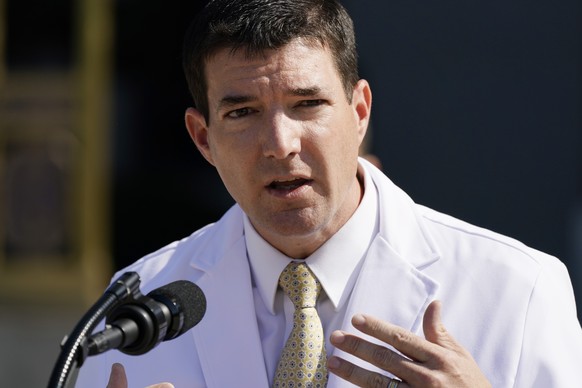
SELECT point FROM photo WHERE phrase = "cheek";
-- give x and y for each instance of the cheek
(224, 149)
(233, 181)
(234, 165)
(345, 141)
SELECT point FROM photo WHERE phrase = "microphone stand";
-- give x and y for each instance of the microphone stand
(74, 348)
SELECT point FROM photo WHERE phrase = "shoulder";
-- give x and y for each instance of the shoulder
(454, 237)
(199, 250)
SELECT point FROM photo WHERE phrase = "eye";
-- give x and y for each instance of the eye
(238, 113)
(310, 103)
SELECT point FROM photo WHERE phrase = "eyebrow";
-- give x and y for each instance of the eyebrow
(232, 100)
(306, 92)
(228, 101)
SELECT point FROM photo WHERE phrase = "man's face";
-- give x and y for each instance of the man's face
(284, 139)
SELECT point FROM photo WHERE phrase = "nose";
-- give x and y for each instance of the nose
(281, 136)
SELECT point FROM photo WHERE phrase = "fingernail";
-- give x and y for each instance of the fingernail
(333, 363)
(358, 320)
(337, 337)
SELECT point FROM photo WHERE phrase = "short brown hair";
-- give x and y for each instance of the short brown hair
(259, 25)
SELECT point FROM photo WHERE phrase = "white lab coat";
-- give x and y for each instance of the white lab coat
(511, 306)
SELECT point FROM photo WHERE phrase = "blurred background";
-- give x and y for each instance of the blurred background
(477, 113)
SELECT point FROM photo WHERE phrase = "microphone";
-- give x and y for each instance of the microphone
(136, 327)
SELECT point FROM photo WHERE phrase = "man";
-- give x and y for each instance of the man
(281, 112)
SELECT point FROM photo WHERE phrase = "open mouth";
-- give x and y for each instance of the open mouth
(288, 185)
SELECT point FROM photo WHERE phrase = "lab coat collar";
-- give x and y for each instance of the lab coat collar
(400, 223)
(391, 285)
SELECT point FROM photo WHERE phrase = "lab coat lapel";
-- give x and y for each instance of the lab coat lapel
(388, 288)
(227, 338)
(391, 285)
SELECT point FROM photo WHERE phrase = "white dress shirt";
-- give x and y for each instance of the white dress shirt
(336, 264)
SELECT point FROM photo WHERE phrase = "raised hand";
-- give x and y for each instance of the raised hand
(437, 361)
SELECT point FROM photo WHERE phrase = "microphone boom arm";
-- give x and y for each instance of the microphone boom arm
(74, 349)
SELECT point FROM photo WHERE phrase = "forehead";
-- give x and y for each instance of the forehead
(298, 63)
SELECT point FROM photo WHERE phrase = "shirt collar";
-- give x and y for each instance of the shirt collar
(333, 263)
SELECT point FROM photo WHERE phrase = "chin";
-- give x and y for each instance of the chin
(297, 230)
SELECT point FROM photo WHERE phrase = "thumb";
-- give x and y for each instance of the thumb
(434, 330)
(117, 379)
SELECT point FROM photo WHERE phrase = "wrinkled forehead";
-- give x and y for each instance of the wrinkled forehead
(251, 52)
(295, 59)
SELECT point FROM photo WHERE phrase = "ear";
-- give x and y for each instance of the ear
(198, 130)
(362, 103)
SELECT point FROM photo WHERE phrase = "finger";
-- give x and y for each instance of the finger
(431, 323)
(404, 341)
(359, 376)
(161, 385)
(117, 378)
(434, 330)
(377, 355)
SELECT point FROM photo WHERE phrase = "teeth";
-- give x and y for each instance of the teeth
(287, 185)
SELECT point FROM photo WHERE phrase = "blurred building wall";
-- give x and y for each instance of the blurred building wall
(55, 98)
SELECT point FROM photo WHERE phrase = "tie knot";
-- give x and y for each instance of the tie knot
(300, 285)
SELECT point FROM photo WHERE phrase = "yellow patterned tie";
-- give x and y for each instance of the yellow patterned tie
(303, 359)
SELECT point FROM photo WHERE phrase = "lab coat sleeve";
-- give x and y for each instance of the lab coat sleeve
(552, 343)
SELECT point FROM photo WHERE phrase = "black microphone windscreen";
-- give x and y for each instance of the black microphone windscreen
(188, 298)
